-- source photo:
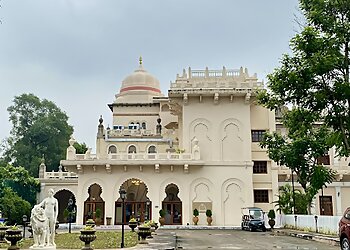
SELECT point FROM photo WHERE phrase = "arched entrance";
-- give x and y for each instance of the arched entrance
(63, 197)
(94, 206)
(137, 204)
(172, 205)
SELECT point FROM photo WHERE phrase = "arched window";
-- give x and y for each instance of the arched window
(143, 125)
(112, 149)
(132, 149)
(152, 150)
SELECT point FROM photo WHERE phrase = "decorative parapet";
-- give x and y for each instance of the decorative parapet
(115, 133)
(214, 79)
(60, 175)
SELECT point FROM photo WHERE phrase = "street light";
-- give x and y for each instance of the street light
(24, 219)
(70, 210)
(148, 202)
(122, 193)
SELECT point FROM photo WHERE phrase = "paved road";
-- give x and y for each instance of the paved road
(236, 239)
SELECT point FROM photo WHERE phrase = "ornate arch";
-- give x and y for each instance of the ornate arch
(165, 183)
(224, 194)
(195, 183)
(88, 183)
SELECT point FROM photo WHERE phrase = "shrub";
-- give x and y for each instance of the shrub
(161, 213)
(195, 212)
(208, 213)
(271, 215)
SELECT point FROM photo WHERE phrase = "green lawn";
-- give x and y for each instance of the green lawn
(105, 239)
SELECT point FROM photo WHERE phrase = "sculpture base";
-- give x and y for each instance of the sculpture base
(43, 248)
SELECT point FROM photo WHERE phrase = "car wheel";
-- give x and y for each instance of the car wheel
(264, 229)
(251, 229)
(242, 226)
(345, 244)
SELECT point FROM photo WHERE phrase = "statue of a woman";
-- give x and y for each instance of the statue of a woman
(50, 204)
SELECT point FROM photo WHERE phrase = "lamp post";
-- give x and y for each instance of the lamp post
(70, 210)
(122, 193)
(147, 209)
(24, 219)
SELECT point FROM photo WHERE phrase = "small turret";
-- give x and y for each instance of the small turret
(100, 128)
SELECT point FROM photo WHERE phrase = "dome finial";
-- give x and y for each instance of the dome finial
(140, 60)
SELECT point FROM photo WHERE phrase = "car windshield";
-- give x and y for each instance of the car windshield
(256, 214)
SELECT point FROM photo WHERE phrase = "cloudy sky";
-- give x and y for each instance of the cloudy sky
(77, 52)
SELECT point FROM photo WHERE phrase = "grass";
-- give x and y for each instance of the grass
(104, 239)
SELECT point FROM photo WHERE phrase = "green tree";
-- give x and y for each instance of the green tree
(80, 147)
(316, 75)
(300, 149)
(13, 206)
(285, 201)
(20, 181)
(39, 128)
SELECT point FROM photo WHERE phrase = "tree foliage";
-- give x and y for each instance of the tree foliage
(81, 148)
(20, 181)
(39, 129)
(13, 206)
(300, 149)
(286, 198)
(316, 76)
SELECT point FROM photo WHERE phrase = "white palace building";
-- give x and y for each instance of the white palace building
(197, 147)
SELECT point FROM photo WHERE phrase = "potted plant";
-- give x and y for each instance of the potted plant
(3, 229)
(13, 234)
(195, 216)
(144, 231)
(90, 222)
(133, 224)
(161, 218)
(271, 215)
(209, 216)
(154, 226)
(98, 214)
(87, 235)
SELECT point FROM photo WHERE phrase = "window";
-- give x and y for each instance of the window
(261, 196)
(143, 125)
(132, 149)
(152, 150)
(112, 149)
(260, 167)
(257, 135)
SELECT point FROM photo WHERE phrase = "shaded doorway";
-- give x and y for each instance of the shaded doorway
(172, 205)
(137, 204)
(63, 197)
(326, 205)
(94, 206)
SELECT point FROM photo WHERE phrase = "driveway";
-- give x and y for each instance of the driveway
(236, 239)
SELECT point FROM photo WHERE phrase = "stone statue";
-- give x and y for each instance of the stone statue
(40, 226)
(50, 205)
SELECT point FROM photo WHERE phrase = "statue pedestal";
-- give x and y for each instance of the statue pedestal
(43, 248)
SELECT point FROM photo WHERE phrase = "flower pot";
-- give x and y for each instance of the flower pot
(161, 221)
(87, 236)
(209, 220)
(143, 233)
(2, 233)
(13, 236)
(133, 225)
(272, 223)
(195, 220)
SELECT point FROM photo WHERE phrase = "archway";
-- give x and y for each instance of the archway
(172, 205)
(63, 197)
(137, 204)
(94, 206)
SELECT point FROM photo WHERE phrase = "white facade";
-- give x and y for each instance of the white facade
(194, 148)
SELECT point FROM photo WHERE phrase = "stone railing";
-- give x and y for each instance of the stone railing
(156, 156)
(217, 84)
(139, 156)
(60, 175)
(112, 133)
